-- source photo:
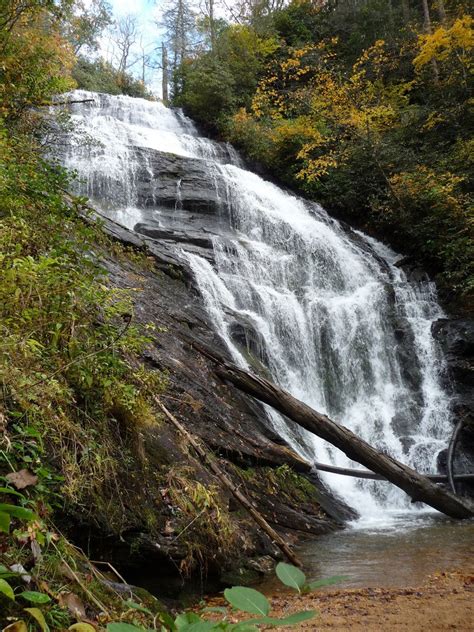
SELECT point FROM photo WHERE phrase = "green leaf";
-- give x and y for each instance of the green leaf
(329, 581)
(167, 620)
(4, 522)
(35, 597)
(248, 600)
(244, 627)
(291, 576)
(123, 627)
(82, 627)
(200, 626)
(13, 492)
(38, 615)
(6, 589)
(186, 619)
(218, 609)
(292, 619)
(136, 606)
(18, 512)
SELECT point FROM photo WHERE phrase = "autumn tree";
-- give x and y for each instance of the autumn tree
(36, 59)
(85, 23)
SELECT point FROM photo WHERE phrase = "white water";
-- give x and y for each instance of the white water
(333, 319)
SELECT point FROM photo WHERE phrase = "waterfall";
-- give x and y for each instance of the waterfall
(325, 310)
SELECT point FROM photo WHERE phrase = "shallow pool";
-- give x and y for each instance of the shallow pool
(399, 551)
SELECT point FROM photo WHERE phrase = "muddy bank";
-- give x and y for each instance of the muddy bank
(444, 601)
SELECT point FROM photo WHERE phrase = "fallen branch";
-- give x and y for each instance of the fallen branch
(228, 484)
(348, 471)
(47, 105)
(417, 486)
(450, 456)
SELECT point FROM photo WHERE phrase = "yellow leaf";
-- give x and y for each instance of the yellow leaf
(38, 615)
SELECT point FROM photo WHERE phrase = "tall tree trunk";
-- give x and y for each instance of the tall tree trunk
(164, 60)
(406, 11)
(429, 30)
(441, 11)
(391, 22)
(212, 25)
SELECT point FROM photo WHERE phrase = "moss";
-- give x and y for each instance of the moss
(282, 482)
(201, 520)
(240, 577)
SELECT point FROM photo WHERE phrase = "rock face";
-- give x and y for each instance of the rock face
(230, 424)
(168, 180)
(456, 337)
(180, 201)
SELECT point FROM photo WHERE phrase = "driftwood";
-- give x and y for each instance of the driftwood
(54, 103)
(349, 471)
(228, 484)
(417, 486)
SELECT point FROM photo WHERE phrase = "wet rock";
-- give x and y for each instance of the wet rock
(456, 337)
(407, 356)
(231, 425)
(157, 232)
(175, 181)
(413, 272)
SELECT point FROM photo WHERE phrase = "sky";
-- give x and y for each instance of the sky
(148, 12)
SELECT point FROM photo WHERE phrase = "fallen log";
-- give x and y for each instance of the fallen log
(228, 483)
(55, 103)
(417, 486)
(349, 471)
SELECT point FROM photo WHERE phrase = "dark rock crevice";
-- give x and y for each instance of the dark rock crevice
(456, 337)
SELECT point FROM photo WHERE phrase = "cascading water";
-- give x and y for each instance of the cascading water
(324, 309)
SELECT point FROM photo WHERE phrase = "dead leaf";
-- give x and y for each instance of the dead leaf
(18, 626)
(168, 529)
(66, 571)
(22, 479)
(36, 550)
(73, 603)
(18, 568)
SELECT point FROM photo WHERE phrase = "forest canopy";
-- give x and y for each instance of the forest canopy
(362, 105)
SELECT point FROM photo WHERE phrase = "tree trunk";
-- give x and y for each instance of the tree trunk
(451, 452)
(406, 11)
(417, 486)
(441, 11)
(165, 73)
(429, 30)
(349, 471)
